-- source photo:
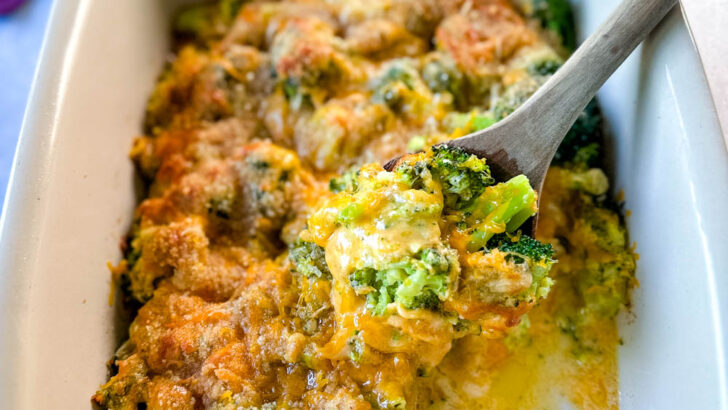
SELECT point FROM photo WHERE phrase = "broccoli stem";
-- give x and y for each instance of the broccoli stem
(501, 207)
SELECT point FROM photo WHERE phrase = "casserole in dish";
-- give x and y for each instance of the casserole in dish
(58, 261)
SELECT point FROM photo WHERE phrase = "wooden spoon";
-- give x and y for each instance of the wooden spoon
(525, 142)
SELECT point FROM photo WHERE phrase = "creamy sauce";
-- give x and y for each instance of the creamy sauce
(541, 369)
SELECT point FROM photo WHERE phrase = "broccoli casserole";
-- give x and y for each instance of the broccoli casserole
(275, 264)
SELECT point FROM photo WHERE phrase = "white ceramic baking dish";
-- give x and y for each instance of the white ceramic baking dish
(71, 199)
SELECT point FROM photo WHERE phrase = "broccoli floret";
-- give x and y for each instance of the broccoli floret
(392, 87)
(602, 228)
(416, 143)
(291, 88)
(470, 122)
(514, 96)
(296, 94)
(442, 75)
(463, 176)
(557, 17)
(419, 282)
(126, 389)
(206, 22)
(309, 260)
(464, 327)
(522, 249)
(356, 347)
(467, 187)
(435, 259)
(364, 278)
(350, 213)
(540, 70)
(304, 76)
(582, 143)
(413, 174)
(578, 328)
(367, 282)
(598, 235)
(544, 67)
(605, 286)
(521, 246)
(229, 9)
(197, 22)
(592, 181)
(502, 207)
(400, 88)
(513, 260)
(346, 182)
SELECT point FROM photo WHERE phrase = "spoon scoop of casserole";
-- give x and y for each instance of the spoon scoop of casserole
(524, 143)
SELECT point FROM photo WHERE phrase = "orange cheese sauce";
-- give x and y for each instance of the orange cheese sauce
(540, 370)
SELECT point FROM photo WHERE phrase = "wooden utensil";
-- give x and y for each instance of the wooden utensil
(525, 142)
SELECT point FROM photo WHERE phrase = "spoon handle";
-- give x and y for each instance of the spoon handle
(528, 138)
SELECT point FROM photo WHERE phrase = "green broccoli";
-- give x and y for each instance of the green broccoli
(514, 96)
(470, 122)
(416, 143)
(445, 198)
(544, 67)
(309, 260)
(196, 22)
(521, 247)
(557, 17)
(391, 88)
(505, 206)
(463, 176)
(540, 70)
(582, 143)
(414, 174)
(126, 389)
(538, 256)
(350, 213)
(356, 346)
(296, 94)
(602, 228)
(604, 290)
(511, 256)
(229, 9)
(467, 186)
(464, 327)
(419, 282)
(577, 328)
(599, 235)
(345, 182)
(593, 181)
(442, 75)
(205, 22)
(605, 286)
